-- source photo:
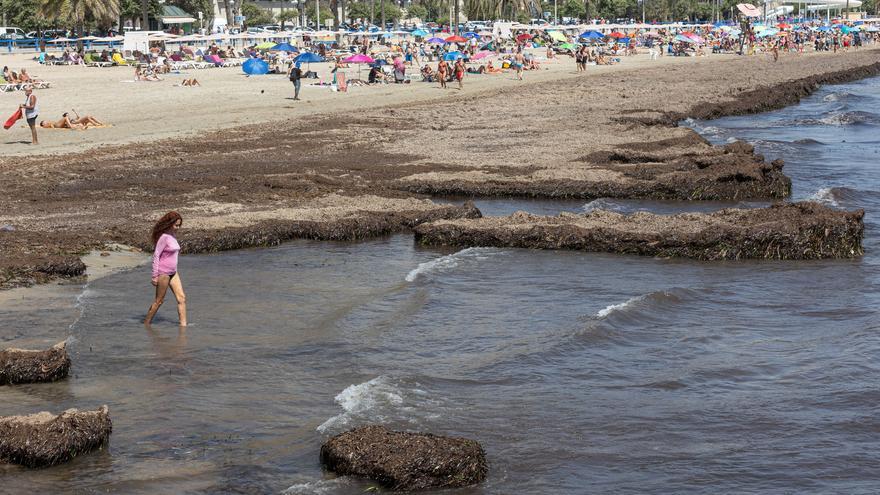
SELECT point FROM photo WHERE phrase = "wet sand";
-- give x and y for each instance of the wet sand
(340, 172)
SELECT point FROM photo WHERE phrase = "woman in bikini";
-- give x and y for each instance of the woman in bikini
(442, 71)
(459, 72)
(63, 123)
(165, 272)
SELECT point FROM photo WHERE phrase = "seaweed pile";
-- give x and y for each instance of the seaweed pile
(44, 439)
(27, 366)
(804, 230)
(405, 461)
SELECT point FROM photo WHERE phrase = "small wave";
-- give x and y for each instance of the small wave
(602, 204)
(808, 141)
(450, 261)
(618, 307)
(840, 119)
(842, 96)
(316, 487)
(367, 399)
(826, 196)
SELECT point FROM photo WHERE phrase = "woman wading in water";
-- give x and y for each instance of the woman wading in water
(165, 265)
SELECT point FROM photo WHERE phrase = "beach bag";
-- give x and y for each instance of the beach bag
(13, 119)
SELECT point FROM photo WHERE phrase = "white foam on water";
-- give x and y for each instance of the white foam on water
(316, 487)
(368, 399)
(450, 261)
(80, 305)
(602, 204)
(617, 307)
(825, 195)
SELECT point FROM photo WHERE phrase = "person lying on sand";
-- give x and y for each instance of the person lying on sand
(87, 120)
(63, 123)
(140, 75)
(491, 69)
(190, 82)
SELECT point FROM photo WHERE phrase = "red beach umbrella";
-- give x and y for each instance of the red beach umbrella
(456, 39)
(524, 37)
(617, 34)
(783, 25)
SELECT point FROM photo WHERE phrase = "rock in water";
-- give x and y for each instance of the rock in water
(44, 439)
(24, 366)
(405, 461)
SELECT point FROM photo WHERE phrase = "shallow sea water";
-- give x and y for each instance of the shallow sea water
(578, 372)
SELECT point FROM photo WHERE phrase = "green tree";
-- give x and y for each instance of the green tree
(255, 16)
(326, 13)
(417, 11)
(573, 8)
(79, 13)
(287, 15)
(358, 10)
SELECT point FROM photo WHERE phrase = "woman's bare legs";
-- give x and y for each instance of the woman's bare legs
(177, 289)
(161, 288)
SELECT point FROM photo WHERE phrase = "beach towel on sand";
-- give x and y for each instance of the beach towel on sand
(13, 119)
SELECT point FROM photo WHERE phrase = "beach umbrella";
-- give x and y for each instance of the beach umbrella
(308, 57)
(420, 33)
(453, 56)
(591, 35)
(265, 45)
(616, 34)
(783, 25)
(824, 29)
(359, 59)
(255, 67)
(483, 54)
(455, 39)
(567, 46)
(284, 47)
(696, 38)
(524, 37)
(846, 29)
(683, 38)
(471, 34)
(436, 40)
(623, 41)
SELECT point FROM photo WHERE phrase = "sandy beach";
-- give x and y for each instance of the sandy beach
(238, 156)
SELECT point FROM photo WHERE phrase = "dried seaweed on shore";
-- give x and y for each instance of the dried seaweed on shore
(406, 461)
(44, 439)
(28, 366)
(803, 230)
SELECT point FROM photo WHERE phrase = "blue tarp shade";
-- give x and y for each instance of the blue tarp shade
(452, 56)
(592, 35)
(285, 47)
(255, 67)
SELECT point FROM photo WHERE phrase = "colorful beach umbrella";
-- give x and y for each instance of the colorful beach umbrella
(360, 58)
(453, 56)
(616, 34)
(455, 39)
(524, 37)
(308, 57)
(420, 33)
(567, 46)
(471, 34)
(436, 40)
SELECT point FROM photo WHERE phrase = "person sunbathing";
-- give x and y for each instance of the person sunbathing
(10, 76)
(140, 75)
(86, 120)
(491, 69)
(190, 82)
(63, 123)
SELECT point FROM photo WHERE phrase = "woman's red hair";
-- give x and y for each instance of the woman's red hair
(163, 226)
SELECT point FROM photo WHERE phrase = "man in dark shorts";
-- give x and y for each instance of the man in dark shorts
(30, 111)
(295, 76)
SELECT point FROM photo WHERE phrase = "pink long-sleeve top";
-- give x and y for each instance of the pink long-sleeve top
(165, 256)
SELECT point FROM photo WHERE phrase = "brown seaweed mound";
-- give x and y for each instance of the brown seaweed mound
(803, 230)
(25, 366)
(43, 439)
(405, 461)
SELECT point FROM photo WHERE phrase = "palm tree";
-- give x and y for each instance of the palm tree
(79, 12)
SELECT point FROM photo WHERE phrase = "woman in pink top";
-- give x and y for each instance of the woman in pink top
(165, 265)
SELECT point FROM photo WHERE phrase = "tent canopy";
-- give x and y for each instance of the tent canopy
(175, 15)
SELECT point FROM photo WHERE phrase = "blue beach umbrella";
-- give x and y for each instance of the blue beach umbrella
(255, 67)
(420, 33)
(436, 40)
(308, 57)
(471, 34)
(452, 56)
(284, 47)
(592, 35)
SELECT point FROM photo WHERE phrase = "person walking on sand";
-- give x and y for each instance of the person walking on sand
(459, 72)
(294, 73)
(165, 265)
(31, 111)
(442, 72)
(519, 61)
